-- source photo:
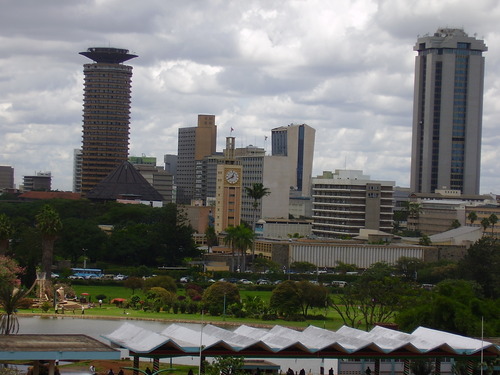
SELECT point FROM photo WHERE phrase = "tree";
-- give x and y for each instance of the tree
(472, 217)
(453, 306)
(425, 240)
(414, 211)
(165, 282)
(133, 283)
(256, 192)
(375, 297)
(49, 224)
(6, 231)
(211, 237)
(240, 238)
(455, 224)
(10, 299)
(225, 366)
(286, 298)
(485, 223)
(493, 219)
(481, 264)
(311, 295)
(218, 294)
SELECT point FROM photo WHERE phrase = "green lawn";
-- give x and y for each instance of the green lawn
(108, 310)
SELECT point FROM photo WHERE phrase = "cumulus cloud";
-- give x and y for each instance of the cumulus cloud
(345, 68)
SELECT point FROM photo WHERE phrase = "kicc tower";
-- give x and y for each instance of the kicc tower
(106, 113)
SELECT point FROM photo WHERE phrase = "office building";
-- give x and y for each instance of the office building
(6, 177)
(77, 171)
(447, 112)
(296, 142)
(106, 113)
(41, 181)
(346, 201)
(194, 143)
(155, 175)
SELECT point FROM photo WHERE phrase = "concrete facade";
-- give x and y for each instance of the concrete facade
(106, 113)
(194, 143)
(346, 201)
(447, 112)
(297, 143)
(6, 177)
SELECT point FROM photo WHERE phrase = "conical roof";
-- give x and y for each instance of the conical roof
(125, 181)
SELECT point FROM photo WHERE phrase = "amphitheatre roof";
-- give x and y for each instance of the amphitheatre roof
(279, 341)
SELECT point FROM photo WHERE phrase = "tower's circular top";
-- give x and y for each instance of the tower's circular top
(108, 55)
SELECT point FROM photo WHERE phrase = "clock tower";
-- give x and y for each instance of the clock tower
(228, 190)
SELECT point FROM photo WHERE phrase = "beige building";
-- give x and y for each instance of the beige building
(482, 212)
(228, 190)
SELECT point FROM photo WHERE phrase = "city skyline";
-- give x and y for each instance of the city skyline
(345, 69)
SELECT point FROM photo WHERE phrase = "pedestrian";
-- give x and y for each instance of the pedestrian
(148, 371)
(310, 372)
(190, 372)
(110, 372)
(92, 369)
(120, 372)
(83, 312)
(100, 303)
(303, 372)
(368, 371)
(330, 372)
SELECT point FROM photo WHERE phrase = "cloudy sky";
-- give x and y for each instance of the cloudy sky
(344, 67)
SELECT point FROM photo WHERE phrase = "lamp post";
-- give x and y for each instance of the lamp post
(84, 258)
(224, 315)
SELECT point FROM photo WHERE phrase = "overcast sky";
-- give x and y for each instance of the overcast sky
(346, 68)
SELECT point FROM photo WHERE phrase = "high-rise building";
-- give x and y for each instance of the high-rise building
(77, 170)
(447, 112)
(346, 201)
(6, 177)
(106, 113)
(194, 143)
(297, 143)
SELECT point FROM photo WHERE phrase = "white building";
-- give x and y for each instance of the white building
(347, 200)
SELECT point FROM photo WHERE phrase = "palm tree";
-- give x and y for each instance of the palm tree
(49, 224)
(10, 298)
(256, 192)
(485, 223)
(5, 233)
(472, 216)
(240, 238)
(493, 219)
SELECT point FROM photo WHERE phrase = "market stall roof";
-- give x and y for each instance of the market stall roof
(54, 347)
(180, 340)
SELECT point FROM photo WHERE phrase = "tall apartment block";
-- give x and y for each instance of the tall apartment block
(194, 143)
(6, 177)
(297, 143)
(346, 201)
(106, 113)
(447, 112)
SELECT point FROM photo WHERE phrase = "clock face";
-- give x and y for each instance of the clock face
(232, 176)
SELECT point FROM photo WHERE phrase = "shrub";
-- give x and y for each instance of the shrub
(45, 306)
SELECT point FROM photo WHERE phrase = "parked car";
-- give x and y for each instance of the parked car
(54, 275)
(119, 277)
(186, 279)
(245, 281)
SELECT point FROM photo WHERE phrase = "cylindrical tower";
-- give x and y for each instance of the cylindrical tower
(106, 113)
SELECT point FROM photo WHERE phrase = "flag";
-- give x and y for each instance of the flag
(265, 138)
(232, 130)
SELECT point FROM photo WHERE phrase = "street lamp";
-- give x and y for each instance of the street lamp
(84, 258)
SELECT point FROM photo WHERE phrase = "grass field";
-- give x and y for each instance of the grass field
(109, 310)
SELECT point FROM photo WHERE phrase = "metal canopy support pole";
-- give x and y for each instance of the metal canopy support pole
(437, 366)
(377, 366)
(406, 367)
(136, 365)
(156, 364)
